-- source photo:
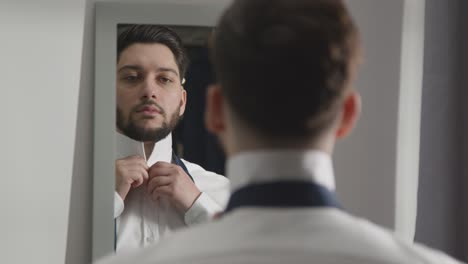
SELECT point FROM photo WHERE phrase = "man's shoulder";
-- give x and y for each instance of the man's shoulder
(179, 247)
(256, 233)
(432, 256)
(411, 252)
(327, 235)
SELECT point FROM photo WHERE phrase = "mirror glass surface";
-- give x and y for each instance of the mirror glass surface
(151, 85)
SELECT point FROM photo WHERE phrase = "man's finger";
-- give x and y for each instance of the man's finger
(137, 181)
(161, 171)
(136, 159)
(144, 173)
(157, 182)
(133, 157)
(165, 190)
(144, 164)
(162, 164)
(139, 175)
(140, 162)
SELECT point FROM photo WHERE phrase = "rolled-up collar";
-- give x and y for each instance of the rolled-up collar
(126, 146)
(279, 165)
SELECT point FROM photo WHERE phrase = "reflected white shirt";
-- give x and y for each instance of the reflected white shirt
(284, 235)
(141, 221)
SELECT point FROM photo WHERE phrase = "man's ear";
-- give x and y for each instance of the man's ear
(214, 112)
(183, 102)
(349, 114)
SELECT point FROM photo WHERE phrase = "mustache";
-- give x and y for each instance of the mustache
(146, 103)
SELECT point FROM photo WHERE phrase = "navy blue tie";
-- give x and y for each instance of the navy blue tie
(283, 194)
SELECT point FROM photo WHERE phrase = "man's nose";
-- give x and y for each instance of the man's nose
(149, 89)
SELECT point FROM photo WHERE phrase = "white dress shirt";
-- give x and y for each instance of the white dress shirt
(322, 235)
(141, 221)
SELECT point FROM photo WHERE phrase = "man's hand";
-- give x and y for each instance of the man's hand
(129, 172)
(171, 181)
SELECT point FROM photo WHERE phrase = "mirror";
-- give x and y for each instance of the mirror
(383, 150)
(193, 23)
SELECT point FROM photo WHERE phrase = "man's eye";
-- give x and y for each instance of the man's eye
(130, 78)
(165, 80)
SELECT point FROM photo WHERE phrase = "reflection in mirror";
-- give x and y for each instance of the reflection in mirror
(193, 21)
(168, 169)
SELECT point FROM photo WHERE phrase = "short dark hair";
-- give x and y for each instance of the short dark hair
(284, 65)
(131, 34)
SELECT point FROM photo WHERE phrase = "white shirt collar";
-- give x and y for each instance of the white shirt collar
(126, 146)
(267, 166)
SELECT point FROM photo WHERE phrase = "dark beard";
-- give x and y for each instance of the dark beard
(131, 130)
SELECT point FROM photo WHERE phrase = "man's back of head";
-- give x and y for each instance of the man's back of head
(285, 67)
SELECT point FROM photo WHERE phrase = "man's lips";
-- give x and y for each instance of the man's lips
(149, 109)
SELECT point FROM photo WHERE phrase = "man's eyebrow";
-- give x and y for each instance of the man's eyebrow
(139, 68)
(169, 70)
(130, 67)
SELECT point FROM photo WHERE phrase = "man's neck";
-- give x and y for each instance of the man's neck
(149, 146)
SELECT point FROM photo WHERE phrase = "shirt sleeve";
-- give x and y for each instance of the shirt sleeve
(118, 205)
(202, 210)
(214, 190)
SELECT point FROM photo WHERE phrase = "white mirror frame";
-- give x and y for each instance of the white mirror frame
(108, 16)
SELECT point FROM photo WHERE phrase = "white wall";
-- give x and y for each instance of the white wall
(377, 166)
(79, 242)
(365, 162)
(40, 55)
